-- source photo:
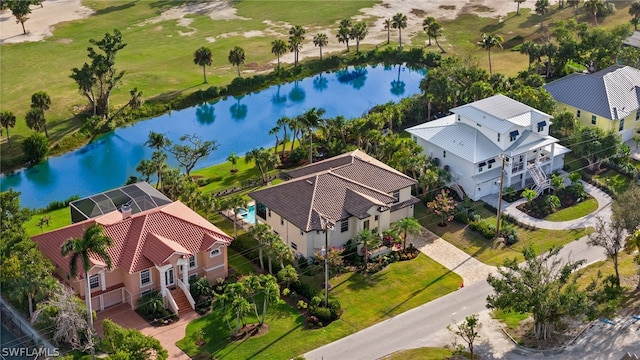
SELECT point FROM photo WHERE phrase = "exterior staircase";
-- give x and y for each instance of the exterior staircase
(540, 179)
(458, 189)
(182, 301)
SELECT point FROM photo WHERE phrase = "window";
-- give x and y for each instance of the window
(396, 196)
(578, 113)
(294, 246)
(301, 232)
(541, 126)
(192, 262)
(281, 220)
(638, 115)
(214, 252)
(593, 119)
(621, 126)
(479, 125)
(514, 135)
(193, 277)
(261, 210)
(344, 226)
(481, 166)
(146, 292)
(366, 224)
(377, 217)
(490, 163)
(269, 212)
(94, 281)
(444, 153)
(145, 277)
(498, 137)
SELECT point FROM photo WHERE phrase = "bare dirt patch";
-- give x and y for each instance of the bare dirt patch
(250, 330)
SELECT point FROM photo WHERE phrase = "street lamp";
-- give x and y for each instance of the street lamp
(327, 224)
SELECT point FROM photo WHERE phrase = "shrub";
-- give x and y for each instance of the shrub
(286, 292)
(151, 306)
(298, 154)
(461, 217)
(322, 313)
(302, 305)
(303, 290)
(35, 148)
(486, 230)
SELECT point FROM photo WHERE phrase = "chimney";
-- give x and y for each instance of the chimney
(126, 211)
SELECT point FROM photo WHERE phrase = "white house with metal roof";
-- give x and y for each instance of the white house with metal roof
(609, 99)
(472, 141)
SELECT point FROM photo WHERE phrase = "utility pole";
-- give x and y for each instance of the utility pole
(502, 157)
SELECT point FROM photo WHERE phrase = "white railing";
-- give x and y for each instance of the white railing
(185, 289)
(127, 297)
(170, 301)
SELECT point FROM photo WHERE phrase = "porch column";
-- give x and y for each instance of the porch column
(525, 163)
(553, 158)
(103, 281)
(101, 303)
(163, 285)
(185, 274)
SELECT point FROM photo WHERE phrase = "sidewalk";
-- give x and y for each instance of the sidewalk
(604, 211)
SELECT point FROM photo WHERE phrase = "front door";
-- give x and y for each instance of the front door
(169, 278)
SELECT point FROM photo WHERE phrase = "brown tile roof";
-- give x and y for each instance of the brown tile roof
(142, 239)
(339, 193)
(360, 167)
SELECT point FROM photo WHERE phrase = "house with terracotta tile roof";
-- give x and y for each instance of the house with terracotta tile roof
(608, 99)
(349, 193)
(473, 140)
(160, 249)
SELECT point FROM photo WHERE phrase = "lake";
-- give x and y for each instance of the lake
(237, 123)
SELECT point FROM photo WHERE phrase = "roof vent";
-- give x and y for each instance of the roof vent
(310, 182)
(125, 209)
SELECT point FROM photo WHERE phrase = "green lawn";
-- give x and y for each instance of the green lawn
(485, 250)
(617, 181)
(57, 219)
(400, 287)
(574, 212)
(421, 354)
(511, 319)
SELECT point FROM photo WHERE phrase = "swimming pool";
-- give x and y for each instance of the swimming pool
(250, 215)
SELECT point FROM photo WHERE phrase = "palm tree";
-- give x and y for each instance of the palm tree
(203, 57)
(264, 160)
(344, 32)
(542, 7)
(311, 119)
(41, 100)
(157, 141)
(280, 251)
(387, 26)
(283, 123)
(425, 26)
(159, 158)
(320, 40)
(634, 9)
(406, 226)
(278, 48)
(93, 244)
(358, 32)
(635, 22)
(7, 120)
(233, 159)
(488, 42)
(296, 36)
(633, 244)
(368, 240)
(575, 4)
(434, 31)
(518, 7)
(399, 22)
(236, 57)
(234, 203)
(36, 121)
(532, 50)
(260, 232)
(276, 132)
(594, 7)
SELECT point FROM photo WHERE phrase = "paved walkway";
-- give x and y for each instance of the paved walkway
(469, 268)
(604, 210)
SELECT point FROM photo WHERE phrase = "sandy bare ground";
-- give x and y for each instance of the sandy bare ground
(42, 20)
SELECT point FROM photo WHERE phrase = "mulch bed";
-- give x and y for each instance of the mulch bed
(250, 330)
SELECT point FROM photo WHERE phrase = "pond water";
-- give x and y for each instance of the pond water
(237, 123)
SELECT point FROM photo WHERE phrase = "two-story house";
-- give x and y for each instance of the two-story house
(348, 193)
(608, 99)
(473, 141)
(158, 245)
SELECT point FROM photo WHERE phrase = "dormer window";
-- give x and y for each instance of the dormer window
(541, 126)
(514, 135)
(498, 137)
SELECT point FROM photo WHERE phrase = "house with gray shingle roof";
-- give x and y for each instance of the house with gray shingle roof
(472, 141)
(160, 248)
(609, 99)
(349, 192)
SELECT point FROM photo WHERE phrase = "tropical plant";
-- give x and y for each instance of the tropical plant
(542, 7)
(93, 244)
(264, 159)
(434, 30)
(594, 7)
(35, 148)
(489, 42)
(565, 121)
(518, 6)
(288, 275)
(296, 36)
(609, 235)
(36, 121)
(278, 48)
(529, 194)
(320, 40)
(235, 202)
(444, 206)
(633, 244)
(20, 10)
(594, 145)
(260, 232)
(41, 100)
(344, 32)
(189, 154)
(399, 21)
(203, 57)
(634, 9)
(281, 252)
(311, 119)
(130, 344)
(233, 159)
(358, 32)
(468, 330)
(237, 57)
(405, 227)
(368, 240)
(7, 120)
(387, 26)
(533, 51)
(425, 26)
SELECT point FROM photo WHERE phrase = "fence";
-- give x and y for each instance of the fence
(22, 330)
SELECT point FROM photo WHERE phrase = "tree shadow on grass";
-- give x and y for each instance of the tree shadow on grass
(111, 9)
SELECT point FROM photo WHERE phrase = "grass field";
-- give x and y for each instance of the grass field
(400, 287)
(574, 212)
(159, 61)
(421, 354)
(486, 250)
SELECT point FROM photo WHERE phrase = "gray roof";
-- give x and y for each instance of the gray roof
(633, 40)
(612, 93)
(500, 113)
(344, 186)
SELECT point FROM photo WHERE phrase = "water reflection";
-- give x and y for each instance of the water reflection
(278, 99)
(356, 77)
(320, 83)
(205, 113)
(297, 94)
(238, 111)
